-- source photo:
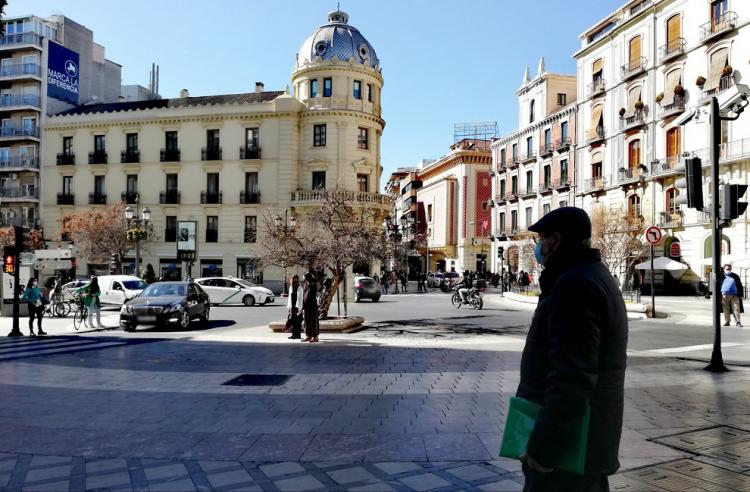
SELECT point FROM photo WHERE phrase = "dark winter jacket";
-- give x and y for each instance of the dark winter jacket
(574, 357)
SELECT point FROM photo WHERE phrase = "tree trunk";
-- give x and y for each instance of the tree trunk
(326, 304)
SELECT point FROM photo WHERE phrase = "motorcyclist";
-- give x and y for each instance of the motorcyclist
(464, 286)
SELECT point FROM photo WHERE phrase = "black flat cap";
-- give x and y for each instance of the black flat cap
(571, 222)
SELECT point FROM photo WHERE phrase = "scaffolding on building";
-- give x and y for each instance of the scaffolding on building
(483, 131)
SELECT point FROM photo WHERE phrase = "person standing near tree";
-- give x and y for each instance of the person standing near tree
(294, 305)
(33, 298)
(310, 309)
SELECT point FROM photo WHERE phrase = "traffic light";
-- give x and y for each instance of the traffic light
(500, 251)
(9, 259)
(729, 200)
(691, 185)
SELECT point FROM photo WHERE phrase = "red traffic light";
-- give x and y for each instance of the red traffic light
(9, 263)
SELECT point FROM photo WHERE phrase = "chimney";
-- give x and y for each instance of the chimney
(259, 87)
(184, 93)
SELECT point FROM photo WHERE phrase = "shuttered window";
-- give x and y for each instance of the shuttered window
(673, 79)
(633, 97)
(674, 143)
(718, 62)
(634, 154)
(674, 29)
(635, 52)
(596, 118)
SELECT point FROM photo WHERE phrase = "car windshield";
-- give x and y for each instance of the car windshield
(367, 281)
(134, 284)
(245, 283)
(164, 290)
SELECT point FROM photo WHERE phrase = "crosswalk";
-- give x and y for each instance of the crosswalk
(27, 347)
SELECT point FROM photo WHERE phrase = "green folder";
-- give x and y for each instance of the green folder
(522, 415)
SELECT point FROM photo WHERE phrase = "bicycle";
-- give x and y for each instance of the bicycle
(57, 307)
(80, 315)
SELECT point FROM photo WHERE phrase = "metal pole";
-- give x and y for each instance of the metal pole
(502, 275)
(137, 256)
(16, 330)
(717, 360)
(653, 296)
(286, 231)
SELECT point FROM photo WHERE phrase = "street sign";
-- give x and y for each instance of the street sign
(674, 250)
(653, 235)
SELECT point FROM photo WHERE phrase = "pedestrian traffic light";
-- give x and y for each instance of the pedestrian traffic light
(500, 251)
(691, 185)
(730, 206)
(9, 259)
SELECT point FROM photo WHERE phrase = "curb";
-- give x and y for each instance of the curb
(639, 310)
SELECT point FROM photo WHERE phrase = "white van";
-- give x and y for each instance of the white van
(116, 289)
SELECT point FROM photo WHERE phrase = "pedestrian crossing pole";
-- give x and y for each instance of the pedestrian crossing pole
(16, 331)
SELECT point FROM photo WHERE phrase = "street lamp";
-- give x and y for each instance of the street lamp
(139, 224)
(289, 223)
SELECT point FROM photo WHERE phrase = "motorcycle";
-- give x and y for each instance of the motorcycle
(473, 298)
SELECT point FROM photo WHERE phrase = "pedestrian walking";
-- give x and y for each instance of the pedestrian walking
(732, 293)
(404, 281)
(91, 293)
(394, 281)
(574, 358)
(310, 309)
(34, 299)
(386, 282)
(294, 307)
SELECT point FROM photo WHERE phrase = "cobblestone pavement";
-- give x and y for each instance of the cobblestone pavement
(359, 413)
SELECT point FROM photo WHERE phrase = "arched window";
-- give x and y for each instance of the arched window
(671, 204)
(634, 53)
(674, 146)
(634, 206)
(719, 60)
(634, 154)
(674, 92)
(674, 30)
(532, 107)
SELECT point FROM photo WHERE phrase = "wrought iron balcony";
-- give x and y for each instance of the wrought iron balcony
(98, 157)
(563, 144)
(169, 155)
(595, 135)
(249, 196)
(597, 87)
(528, 157)
(546, 150)
(66, 199)
(211, 154)
(677, 107)
(170, 197)
(726, 82)
(512, 196)
(545, 187)
(669, 220)
(211, 197)
(130, 155)
(20, 163)
(631, 174)
(97, 198)
(718, 26)
(673, 49)
(251, 235)
(249, 152)
(66, 158)
(529, 192)
(638, 119)
(501, 197)
(512, 162)
(129, 197)
(20, 100)
(594, 184)
(20, 70)
(633, 68)
(562, 184)
(664, 166)
(355, 197)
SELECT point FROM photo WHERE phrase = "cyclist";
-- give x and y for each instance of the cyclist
(91, 301)
(464, 286)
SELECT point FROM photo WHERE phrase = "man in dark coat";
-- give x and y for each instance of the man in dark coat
(574, 356)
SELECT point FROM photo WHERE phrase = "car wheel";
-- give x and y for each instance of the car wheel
(248, 300)
(376, 299)
(128, 328)
(204, 316)
(184, 320)
(356, 298)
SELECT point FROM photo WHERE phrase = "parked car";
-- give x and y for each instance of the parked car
(366, 288)
(231, 290)
(70, 289)
(118, 289)
(166, 304)
(434, 279)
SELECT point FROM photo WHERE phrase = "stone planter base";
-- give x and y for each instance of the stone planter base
(330, 325)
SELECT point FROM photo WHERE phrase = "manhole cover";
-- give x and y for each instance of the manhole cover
(696, 441)
(737, 453)
(258, 380)
(660, 478)
(710, 473)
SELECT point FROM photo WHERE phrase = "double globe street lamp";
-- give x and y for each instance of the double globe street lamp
(137, 231)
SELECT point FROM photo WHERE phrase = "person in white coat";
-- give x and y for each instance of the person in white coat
(294, 306)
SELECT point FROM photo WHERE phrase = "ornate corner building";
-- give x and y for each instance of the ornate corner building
(227, 161)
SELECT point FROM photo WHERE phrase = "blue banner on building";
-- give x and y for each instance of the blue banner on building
(62, 73)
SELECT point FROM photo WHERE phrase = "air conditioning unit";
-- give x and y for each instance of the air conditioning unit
(13, 176)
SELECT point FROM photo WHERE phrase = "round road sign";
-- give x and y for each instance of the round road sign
(653, 235)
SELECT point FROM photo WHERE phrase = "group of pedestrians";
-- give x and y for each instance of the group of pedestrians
(302, 306)
(391, 280)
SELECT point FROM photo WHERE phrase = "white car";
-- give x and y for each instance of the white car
(230, 290)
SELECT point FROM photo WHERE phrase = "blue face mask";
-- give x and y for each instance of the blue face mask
(538, 253)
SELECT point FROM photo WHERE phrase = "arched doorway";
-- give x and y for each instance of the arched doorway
(708, 248)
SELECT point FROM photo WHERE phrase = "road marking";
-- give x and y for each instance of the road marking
(691, 348)
(52, 346)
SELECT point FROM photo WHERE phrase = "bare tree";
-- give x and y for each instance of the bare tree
(332, 237)
(618, 236)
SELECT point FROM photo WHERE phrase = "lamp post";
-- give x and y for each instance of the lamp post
(289, 223)
(138, 222)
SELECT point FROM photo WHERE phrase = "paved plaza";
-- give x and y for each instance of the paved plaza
(414, 403)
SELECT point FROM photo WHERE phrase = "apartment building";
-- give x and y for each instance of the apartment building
(638, 70)
(533, 168)
(228, 161)
(46, 65)
(407, 220)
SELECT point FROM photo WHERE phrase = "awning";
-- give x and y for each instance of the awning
(673, 78)
(596, 117)
(598, 67)
(633, 97)
(597, 158)
(662, 263)
(718, 62)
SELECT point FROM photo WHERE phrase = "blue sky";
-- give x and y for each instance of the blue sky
(444, 62)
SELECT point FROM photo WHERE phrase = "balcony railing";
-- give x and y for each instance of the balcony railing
(718, 26)
(528, 157)
(628, 175)
(677, 107)
(637, 9)
(667, 219)
(546, 149)
(251, 235)
(638, 119)
(512, 196)
(501, 197)
(562, 183)
(170, 197)
(545, 187)
(672, 49)
(529, 192)
(250, 196)
(597, 87)
(357, 197)
(170, 235)
(633, 67)
(98, 157)
(512, 162)
(169, 155)
(726, 82)
(664, 166)
(22, 193)
(129, 197)
(212, 236)
(130, 155)
(20, 38)
(211, 197)
(211, 154)
(66, 199)
(594, 184)
(248, 152)
(97, 198)
(16, 100)
(563, 144)
(23, 131)
(21, 69)
(11, 163)
(66, 159)
(595, 136)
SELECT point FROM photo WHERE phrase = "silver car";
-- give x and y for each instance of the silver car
(231, 290)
